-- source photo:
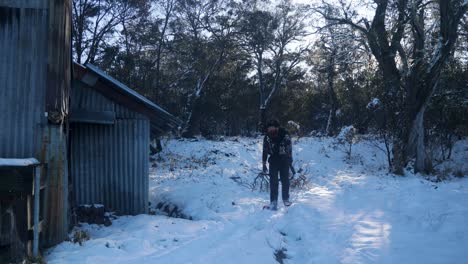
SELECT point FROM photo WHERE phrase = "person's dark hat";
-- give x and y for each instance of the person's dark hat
(273, 122)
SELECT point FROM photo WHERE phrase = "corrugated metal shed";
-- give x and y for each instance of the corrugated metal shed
(110, 165)
(110, 140)
(35, 73)
(161, 120)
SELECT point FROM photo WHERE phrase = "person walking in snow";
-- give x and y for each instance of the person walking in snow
(277, 148)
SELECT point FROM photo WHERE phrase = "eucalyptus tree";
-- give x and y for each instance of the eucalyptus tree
(203, 32)
(95, 23)
(411, 41)
(273, 38)
(336, 53)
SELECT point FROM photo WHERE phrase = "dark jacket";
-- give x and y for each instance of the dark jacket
(279, 149)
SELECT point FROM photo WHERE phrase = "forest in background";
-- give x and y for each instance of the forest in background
(394, 68)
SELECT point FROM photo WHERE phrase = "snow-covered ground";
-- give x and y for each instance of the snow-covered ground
(350, 211)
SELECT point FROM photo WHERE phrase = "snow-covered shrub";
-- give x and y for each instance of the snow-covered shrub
(382, 142)
(79, 236)
(169, 209)
(453, 167)
(373, 104)
(294, 124)
(294, 127)
(339, 112)
(448, 170)
(317, 133)
(440, 143)
(346, 138)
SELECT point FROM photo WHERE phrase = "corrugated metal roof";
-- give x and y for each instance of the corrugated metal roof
(125, 89)
(95, 78)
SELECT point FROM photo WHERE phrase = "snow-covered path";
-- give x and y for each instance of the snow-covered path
(350, 212)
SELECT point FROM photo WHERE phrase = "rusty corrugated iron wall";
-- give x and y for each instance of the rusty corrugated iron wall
(35, 74)
(59, 60)
(109, 163)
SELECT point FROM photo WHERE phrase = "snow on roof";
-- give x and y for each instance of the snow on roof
(18, 162)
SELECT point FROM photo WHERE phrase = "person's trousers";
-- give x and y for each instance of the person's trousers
(281, 168)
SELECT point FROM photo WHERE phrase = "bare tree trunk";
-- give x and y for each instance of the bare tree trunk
(416, 144)
(192, 108)
(188, 130)
(263, 119)
(194, 99)
(331, 124)
(262, 124)
(168, 7)
(388, 150)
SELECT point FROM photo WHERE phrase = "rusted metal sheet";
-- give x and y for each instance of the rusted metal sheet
(57, 104)
(59, 60)
(110, 164)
